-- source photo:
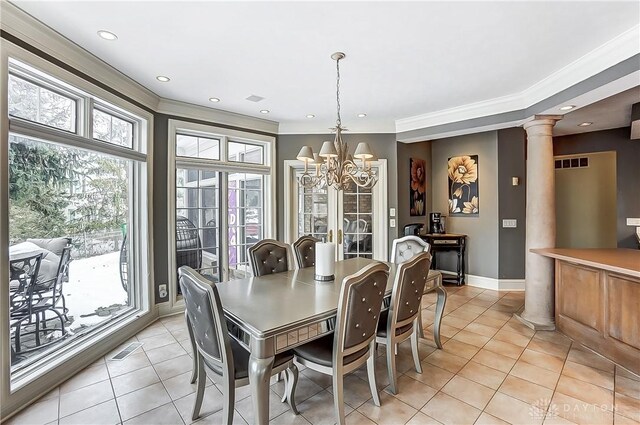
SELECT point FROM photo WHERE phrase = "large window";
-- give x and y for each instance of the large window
(223, 199)
(77, 202)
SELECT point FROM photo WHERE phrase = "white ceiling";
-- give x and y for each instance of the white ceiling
(403, 59)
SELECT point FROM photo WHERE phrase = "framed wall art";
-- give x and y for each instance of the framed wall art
(463, 185)
(417, 187)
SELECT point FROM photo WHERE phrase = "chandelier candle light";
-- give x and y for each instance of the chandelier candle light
(335, 166)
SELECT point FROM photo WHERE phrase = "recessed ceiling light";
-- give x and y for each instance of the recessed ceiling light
(310, 116)
(567, 107)
(585, 124)
(264, 111)
(107, 35)
(214, 99)
(163, 78)
(362, 115)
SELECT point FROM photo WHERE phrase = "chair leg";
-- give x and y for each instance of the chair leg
(391, 365)
(202, 379)
(338, 397)
(420, 328)
(291, 380)
(229, 394)
(414, 346)
(371, 374)
(194, 370)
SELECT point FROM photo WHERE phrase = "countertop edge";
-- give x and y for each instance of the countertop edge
(549, 252)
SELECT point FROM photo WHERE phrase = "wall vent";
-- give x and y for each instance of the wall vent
(577, 162)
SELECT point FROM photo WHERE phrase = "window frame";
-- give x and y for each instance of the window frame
(27, 386)
(268, 169)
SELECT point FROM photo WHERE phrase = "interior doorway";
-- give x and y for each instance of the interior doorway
(586, 200)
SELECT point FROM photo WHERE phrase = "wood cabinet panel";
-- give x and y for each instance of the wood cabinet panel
(623, 313)
(580, 295)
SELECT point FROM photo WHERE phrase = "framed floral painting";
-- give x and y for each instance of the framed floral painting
(417, 189)
(463, 185)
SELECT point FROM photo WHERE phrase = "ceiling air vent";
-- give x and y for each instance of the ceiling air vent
(254, 98)
(577, 162)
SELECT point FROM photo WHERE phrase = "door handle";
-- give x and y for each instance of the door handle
(330, 235)
(340, 236)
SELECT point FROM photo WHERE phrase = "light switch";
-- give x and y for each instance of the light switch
(509, 223)
(392, 222)
(633, 221)
(392, 212)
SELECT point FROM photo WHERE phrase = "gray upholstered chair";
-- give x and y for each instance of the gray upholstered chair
(401, 321)
(353, 342)
(218, 354)
(305, 251)
(269, 256)
(405, 248)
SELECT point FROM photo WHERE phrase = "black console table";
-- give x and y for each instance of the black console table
(448, 242)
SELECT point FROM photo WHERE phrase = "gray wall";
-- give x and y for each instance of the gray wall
(160, 202)
(421, 150)
(384, 145)
(481, 230)
(627, 172)
(512, 202)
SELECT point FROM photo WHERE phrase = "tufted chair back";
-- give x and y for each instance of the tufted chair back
(305, 251)
(206, 318)
(405, 248)
(269, 256)
(408, 288)
(359, 307)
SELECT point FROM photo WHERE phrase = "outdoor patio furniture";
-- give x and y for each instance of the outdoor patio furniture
(22, 277)
(124, 265)
(188, 245)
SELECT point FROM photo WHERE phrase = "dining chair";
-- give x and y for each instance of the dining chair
(400, 321)
(352, 344)
(219, 354)
(305, 251)
(269, 256)
(407, 247)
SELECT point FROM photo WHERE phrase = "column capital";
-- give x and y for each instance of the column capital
(548, 120)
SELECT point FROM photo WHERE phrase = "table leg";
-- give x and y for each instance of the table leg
(440, 303)
(259, 377)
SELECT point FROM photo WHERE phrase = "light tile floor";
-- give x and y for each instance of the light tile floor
(492, 370)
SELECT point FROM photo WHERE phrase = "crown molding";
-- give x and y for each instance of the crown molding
(22, 25)
(609, 54)
(218, 116)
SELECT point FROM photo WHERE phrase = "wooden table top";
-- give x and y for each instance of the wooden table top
(620, 260)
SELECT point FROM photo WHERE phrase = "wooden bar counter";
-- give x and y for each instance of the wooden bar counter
(598, 300)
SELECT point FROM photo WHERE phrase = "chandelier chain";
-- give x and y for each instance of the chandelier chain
(338, 121)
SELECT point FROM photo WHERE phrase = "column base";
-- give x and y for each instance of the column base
(536, 326)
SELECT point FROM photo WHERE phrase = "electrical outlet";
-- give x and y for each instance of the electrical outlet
(392, 222)
(162, 291)
(510, 223)
(392, 212)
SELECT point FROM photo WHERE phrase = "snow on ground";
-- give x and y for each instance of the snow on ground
(94, 282)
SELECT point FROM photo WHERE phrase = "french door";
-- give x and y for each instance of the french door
(355, 218)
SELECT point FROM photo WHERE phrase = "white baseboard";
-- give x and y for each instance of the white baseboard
(495, 284)
(491, 283)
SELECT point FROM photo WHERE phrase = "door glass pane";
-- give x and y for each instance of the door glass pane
(357, 222)
(312, 211)
(197, 222)
(69, 217)
(246, 219)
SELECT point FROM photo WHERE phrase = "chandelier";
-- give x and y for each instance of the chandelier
(334, 165)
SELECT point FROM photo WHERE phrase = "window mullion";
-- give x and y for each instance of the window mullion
(223, 201)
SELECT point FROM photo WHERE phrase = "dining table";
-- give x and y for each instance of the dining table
(277, 312)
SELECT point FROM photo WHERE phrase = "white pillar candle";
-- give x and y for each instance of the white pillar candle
(325, 260)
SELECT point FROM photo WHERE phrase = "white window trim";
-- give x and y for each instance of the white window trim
(174, 305)
(77, 354)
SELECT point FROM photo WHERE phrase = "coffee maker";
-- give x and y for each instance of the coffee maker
(436, 223)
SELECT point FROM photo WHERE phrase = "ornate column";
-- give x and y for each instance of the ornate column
(541, 223)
